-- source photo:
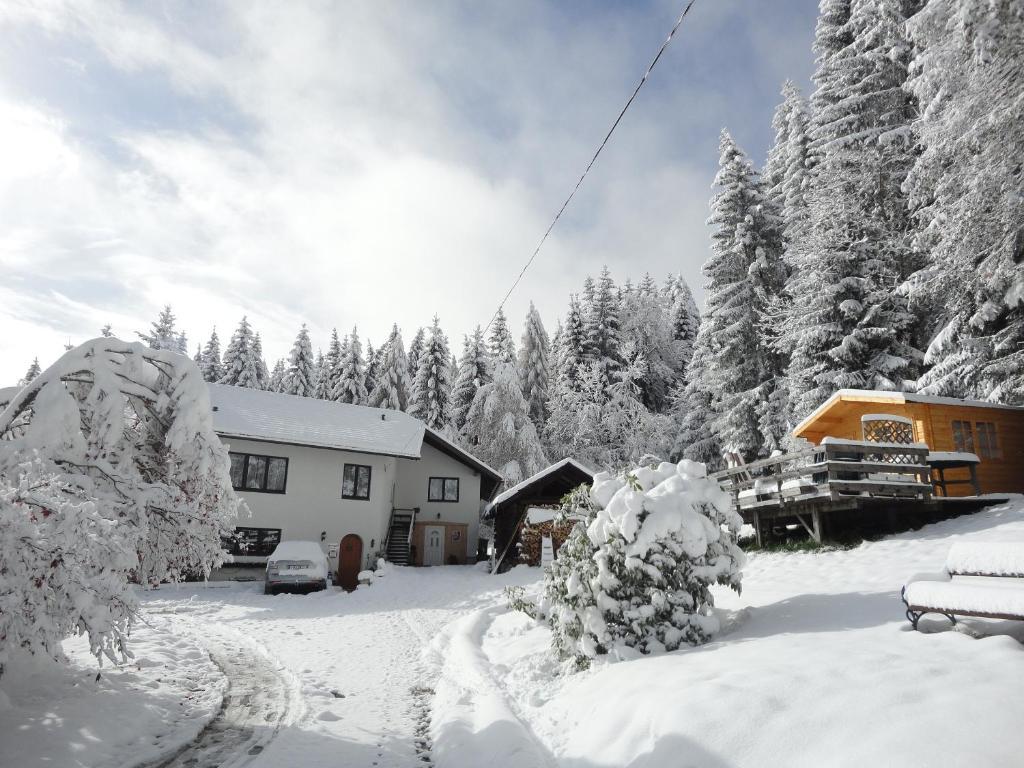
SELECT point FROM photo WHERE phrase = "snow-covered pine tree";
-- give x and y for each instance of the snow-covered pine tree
(685, 319)
(574, 346)
(277, 376)
(694, 407)
(392, 390)
(352, 382)
(431, 392)
(210, 363)
(854, 329)
(164, 335)
(374, 361)
(300, 378)
(260, 362)
(419, 341)
(637, 575)
(474, 372)
(106, 331)
(601, 322)
(499, 428)
(648, 344)
(743, 272)
(241, 367)
(502, 347)
(533, 367)
(105, 477)
(197, 358)
(965, 188)
(329, 374)
(555, 355)
(319, 370)
(31, 373)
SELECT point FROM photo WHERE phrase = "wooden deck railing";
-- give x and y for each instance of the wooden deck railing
(831, 471)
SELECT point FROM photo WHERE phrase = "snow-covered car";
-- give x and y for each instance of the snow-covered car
(296, 565)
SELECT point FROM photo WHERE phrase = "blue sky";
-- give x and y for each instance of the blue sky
(360, 162)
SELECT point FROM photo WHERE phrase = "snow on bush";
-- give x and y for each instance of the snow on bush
(109, 470)
(637, 574)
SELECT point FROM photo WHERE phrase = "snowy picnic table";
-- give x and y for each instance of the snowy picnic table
(940, 461)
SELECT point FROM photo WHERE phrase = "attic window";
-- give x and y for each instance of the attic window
(443, 489)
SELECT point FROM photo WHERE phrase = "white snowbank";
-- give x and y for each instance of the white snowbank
(989, 558)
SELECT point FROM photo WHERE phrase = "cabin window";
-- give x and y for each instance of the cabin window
(963, 437)
(988, 447)
(253, 542)
(443, 489)
(263, 474)
(355, 482)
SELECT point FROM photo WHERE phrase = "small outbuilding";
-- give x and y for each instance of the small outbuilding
(510, 510)
(985, 438)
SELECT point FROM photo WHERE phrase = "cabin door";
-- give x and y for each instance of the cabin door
(433, 545)
(350, 561)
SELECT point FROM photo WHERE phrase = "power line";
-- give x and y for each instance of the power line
(593, 159)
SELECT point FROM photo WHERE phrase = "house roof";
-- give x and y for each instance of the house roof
(895, 398)
(273, 417)
(571, 471)
(254, 414)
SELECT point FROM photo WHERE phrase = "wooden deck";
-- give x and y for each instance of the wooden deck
(838, 478)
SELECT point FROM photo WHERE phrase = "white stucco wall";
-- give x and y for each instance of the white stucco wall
(312, 501)
(412, 491)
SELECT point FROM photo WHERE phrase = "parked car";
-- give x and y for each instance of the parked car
(296, 565)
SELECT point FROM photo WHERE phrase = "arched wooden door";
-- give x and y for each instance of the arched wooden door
(350, 561)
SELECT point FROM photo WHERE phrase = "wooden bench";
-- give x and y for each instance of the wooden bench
(997, 593)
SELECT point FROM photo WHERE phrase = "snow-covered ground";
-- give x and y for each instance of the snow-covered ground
(817, 666)
(66, 717)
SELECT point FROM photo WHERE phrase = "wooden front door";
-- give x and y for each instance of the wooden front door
(350, 561)
(433, 545)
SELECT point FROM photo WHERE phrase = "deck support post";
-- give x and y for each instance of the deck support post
(818, 524)
(974, 479)
(758, 535)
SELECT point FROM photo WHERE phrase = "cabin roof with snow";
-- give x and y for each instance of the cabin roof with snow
(849, 402)
(272, 417)
(553, 482)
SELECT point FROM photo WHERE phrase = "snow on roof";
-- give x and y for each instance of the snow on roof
(506, 495)
(884, 396)
(885, 417)
(258, 415)
(442, 443)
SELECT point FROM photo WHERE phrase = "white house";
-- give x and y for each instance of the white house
(362, 481)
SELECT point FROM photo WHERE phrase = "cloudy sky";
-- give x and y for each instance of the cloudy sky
(349, 162)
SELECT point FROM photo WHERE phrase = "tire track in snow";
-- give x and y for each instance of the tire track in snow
(260, 698)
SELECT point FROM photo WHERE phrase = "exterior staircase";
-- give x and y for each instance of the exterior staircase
(399, 536)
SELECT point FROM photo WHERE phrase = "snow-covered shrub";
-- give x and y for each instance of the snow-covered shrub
(109, 465)
(637, 574)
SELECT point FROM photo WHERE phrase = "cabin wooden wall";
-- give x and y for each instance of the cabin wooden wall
(933, 425)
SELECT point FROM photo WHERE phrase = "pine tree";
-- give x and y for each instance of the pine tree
(474, 372)
(392, 390)
(277, 376)
(431, 396)
(30, 375)
(241, 368)
(533, 367)
(744, 271)
(106, 331)
(209, 361)
(330, 371)
(648, 345)
(260, 363)
(685, 319)
(419, 341)
(300, 378)
(502, 348)
(574, 345)
(164, 335)
(965, 189)
(374, 360)
(853, 329)
(352, 382)
(499, 428)
(601, 321)
(197, 358)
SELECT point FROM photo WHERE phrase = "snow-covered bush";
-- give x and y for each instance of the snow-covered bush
(109, 469)
(637, 574)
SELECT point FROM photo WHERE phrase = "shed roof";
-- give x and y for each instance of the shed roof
(894, 398)
(570, 471)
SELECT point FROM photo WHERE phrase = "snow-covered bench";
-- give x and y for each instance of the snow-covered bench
(980, 579)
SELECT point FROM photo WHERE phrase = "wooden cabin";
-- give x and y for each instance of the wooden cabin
(995, 433)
